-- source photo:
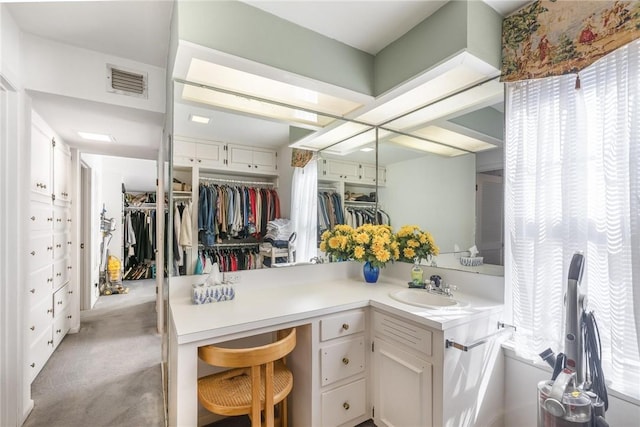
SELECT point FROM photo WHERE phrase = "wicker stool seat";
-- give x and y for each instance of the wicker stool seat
(259, 382)
(229, 392)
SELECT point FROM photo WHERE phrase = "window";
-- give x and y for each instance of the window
(572, 183)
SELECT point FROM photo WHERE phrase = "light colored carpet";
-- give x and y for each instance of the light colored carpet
(109, 373)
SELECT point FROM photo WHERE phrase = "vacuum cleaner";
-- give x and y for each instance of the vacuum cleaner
(576, 395)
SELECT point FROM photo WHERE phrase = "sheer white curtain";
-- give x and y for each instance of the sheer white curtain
(304, 210)
(572, 182)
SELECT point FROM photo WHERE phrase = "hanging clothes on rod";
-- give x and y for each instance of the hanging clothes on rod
(139, 241)
(234, 210)
(330, 210)
(231, 258)
(355, 216)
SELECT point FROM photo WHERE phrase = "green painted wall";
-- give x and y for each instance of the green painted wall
(484, 37)
(434, 40)
(247, 32)
(486, 120)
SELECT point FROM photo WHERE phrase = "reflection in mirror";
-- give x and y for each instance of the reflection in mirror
(452, 189)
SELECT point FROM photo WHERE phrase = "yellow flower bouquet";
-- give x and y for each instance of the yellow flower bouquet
(415, 244)
(338, 243)
(375, 244)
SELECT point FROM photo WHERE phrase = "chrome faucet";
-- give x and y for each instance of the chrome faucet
(438, 286)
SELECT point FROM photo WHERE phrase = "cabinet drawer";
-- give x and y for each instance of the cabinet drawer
(60, 273)
(61, 218)
(40, 318)
(60, 300)
(40, 251)
(60, 327)
(403, 332)
(344, 403)
(61, 247)
(38, 354)
(39, 285)
(41, 216)
(342, 360)
(342, 325)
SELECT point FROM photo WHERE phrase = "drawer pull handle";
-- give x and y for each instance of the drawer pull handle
(33, 365)
(69, 268)
(49, 219)
(69, 220)
(33, 252)
(50, 342)
(58, 331)
(70, 292)
(59, 245)
(33, 328)
(346, 406)
(69, 317)
(50, 279)
(49, 248)
(59, 302)
(33, 290)
(50, 310)
(345, 360)
(58, 274)
(33, 218)
(345, 326)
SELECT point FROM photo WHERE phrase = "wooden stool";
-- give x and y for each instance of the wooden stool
(260, 381)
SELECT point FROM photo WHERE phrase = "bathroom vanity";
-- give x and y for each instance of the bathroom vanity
(360, 354)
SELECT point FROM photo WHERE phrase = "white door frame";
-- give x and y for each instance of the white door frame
(85, 237)
(12, 155)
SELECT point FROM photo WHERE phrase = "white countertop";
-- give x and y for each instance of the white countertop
(290, 301)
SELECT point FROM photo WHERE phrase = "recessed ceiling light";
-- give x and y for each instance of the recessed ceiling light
(100, 137)
(199, 119)
(367, 149)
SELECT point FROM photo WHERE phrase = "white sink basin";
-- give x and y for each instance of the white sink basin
(423, 298)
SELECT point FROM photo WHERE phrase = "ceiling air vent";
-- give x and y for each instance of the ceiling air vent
(126, 82)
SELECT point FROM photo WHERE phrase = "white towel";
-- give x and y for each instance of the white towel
(185, 229)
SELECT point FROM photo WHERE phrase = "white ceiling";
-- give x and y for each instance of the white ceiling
(139, 30)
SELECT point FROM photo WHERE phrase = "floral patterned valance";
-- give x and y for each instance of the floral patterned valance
(300, 157)
(555, 37)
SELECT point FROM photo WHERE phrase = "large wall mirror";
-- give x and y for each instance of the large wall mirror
(443, 174)
(438, 166)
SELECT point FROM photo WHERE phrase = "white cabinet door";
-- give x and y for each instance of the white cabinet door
(41, 162)
(210, 154)
(251, 160)
(265, 160)
(61, 174)
(340, 170)
(240, 158)
(369, 175)
(402, 387)
(184, 153)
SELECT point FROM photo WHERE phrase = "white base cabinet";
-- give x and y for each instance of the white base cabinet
(402, 373)
(48, 290)
(343, 355)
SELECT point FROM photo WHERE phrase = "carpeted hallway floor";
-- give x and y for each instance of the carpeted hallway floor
(109, 373)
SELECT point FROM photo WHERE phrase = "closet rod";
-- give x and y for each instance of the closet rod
(140, 208)
(236, 181)
(227, 245)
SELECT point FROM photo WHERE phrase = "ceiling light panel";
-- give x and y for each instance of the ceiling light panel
(448, 82)
(99, 137)
(438, 134)
(230, 79)
(427, 146)
(251, 106)
(357, 142)
(487, 93)
(333, 136)
(199, 119)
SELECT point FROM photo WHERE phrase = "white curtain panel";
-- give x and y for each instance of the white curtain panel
(572, 183)
(304, 210)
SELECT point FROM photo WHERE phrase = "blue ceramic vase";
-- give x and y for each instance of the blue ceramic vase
(370, 272)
